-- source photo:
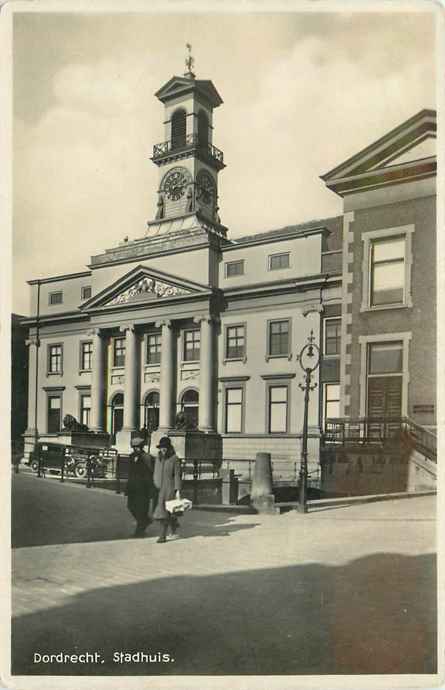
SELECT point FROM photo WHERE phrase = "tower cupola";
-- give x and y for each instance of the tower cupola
(188, 161)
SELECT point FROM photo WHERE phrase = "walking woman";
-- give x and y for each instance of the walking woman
(167, 479)
(141, 490)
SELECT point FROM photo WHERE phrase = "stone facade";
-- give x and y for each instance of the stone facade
(187, 320)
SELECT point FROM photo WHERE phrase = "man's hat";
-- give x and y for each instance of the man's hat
(137, 441)
(164, 442)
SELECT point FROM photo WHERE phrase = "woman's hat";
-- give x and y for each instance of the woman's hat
(164, 442)
(137, 441)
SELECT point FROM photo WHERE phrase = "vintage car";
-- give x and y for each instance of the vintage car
(74, 459)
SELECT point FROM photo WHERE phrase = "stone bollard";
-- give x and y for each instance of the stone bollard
(261, 495)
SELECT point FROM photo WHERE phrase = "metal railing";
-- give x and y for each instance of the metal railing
(379, 431)
(188, 142)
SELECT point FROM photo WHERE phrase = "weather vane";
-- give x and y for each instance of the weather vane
(189, 60)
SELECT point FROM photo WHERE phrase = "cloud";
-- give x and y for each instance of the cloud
(293, 109)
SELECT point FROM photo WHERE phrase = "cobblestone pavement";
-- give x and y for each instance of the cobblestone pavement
(341, 590)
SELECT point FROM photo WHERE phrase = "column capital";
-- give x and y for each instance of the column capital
(207, 318)
(127, 327)
(164, 322)
(94, 331)
(33, 340)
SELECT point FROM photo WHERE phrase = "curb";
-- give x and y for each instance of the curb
(353, 500)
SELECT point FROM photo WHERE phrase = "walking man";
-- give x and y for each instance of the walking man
(141, 491)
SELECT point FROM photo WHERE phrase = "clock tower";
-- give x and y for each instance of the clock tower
(188, 161)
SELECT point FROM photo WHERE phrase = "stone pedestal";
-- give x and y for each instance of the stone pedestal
(261, 496)
(196, 445)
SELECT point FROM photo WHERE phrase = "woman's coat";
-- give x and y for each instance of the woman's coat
(167, 478)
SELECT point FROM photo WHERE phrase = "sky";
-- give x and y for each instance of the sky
(302, 92)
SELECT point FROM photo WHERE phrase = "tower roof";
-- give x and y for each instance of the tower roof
(181, 86)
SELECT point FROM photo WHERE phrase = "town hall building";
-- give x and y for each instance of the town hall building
(189, 328)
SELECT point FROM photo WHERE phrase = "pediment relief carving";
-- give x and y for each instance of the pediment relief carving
(147, 288)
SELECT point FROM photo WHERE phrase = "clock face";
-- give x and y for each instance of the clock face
(205, 188)
(175, 183)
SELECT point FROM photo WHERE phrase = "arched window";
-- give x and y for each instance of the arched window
(179, 128)
(117, 413)
(151, 411)
(203, 128)
(190, 407)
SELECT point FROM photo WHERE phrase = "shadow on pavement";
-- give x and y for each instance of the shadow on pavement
(72, 515)
(373, 615)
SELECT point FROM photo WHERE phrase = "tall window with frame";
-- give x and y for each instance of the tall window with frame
(54, 414)
(119, 352)
(85, 408)
(278, 338)
(154, 341)
(55, 359)
(236, 342)
(192, 345)
(332, 337)
(151, 411)
(278, 409)
(385, 379)
(234, 400)
(331, 401)
(86, 355)
(190, 408)
(387, 271)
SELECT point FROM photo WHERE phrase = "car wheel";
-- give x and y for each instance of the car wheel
(80, 471)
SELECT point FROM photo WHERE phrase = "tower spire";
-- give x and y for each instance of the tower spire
(189, 62)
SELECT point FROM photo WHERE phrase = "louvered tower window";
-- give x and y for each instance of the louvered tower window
(178, 129)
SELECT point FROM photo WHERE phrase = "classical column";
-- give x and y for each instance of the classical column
(131, 378)
(206, 373)
(97, 381)
(167, 379)
(33, 343)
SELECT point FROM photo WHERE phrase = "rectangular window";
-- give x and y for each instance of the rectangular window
(387, 262)
(385, 358)
(277, 409)
(331, 401)
(119, 352)
(86, 355)
(234, 410)
(85, 292)
(85, 409)
(55, 359)
(154, 348)
(234, 268)
(279, 338)
(54, 414)
(332, 335)
(385, 379)
(55, 298)
(235, 342)
(192, 344)
(279, 261)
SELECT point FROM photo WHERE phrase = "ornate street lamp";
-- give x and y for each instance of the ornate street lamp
(309, 359)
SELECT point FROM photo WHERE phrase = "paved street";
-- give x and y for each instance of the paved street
(342, 590)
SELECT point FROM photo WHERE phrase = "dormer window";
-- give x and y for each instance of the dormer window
(179, 128)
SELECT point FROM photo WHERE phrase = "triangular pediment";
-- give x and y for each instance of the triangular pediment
(180, 86)
(410, 148)
(144, 285)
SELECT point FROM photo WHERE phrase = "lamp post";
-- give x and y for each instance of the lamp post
(309, 359)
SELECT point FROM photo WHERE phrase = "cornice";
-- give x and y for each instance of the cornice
(289, 235)
(306, 283)
(54, 279)
(49, 318)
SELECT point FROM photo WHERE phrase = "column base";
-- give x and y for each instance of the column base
(123, 441)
